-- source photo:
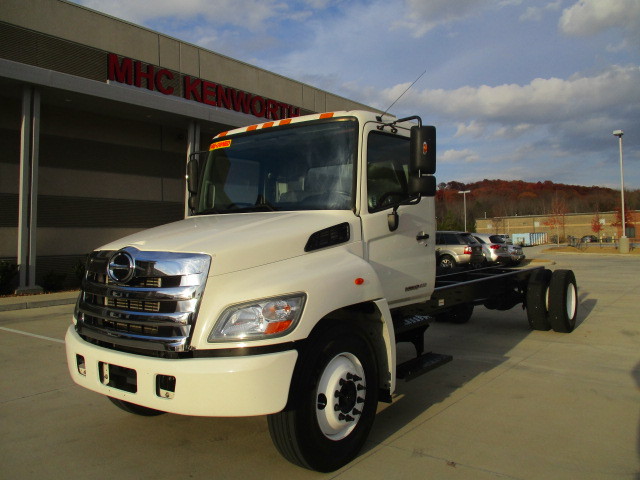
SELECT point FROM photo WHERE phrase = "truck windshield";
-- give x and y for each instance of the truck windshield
(302, 167)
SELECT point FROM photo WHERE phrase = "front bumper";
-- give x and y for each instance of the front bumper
(214, 387)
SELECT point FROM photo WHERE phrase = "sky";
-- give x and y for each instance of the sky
(518, 90)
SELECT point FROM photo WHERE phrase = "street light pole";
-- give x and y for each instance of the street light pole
(624, 241)
(464, 203)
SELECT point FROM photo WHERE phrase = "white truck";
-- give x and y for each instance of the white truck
(308, 255)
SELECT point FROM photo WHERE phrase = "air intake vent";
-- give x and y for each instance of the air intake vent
(328, 237)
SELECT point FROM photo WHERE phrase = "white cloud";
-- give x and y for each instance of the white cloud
(536, 13)
(423, 16)
(588, 17)
(542, 101)
(473, 129)
(251, 14)
(459, 156)
(513, 131)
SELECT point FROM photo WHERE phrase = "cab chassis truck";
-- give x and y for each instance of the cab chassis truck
(307, 256)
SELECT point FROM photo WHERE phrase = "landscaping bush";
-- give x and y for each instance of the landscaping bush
(8, 272)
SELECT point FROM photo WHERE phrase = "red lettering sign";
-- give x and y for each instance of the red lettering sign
(120, 72)
(241, 102)
(144, 75)
(147, 75)
(209, 93)
(258, 106)
(164, 73)
(192, 89)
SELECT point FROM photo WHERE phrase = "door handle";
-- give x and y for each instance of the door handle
(422, 236)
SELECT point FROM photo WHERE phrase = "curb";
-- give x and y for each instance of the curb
(36, 301)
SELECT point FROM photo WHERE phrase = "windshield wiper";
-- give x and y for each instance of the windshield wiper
(263, 207)
(239, 208)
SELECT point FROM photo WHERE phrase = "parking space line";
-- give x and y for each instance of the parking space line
(32, 335)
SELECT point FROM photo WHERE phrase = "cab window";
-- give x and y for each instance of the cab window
(387, 170)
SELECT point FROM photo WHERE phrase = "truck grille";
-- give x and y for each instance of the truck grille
(141, 300)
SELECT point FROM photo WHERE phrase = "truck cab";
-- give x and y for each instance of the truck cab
(307, 255)
(274, 296)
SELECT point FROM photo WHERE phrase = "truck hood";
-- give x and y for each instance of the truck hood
(240, 241)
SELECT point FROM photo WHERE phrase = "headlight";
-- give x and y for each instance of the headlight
(270, 317)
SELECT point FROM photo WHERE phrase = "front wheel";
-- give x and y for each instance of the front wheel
(329, 421)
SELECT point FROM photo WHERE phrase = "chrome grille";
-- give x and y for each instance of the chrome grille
(154, 310)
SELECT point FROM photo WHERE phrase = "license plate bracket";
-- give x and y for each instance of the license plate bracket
(115, 376)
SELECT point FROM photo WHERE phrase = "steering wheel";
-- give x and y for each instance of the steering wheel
(385, 196)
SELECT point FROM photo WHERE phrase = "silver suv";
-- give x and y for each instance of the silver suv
(457, 248)
(494, 248)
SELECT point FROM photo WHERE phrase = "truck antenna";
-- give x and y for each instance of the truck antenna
(394, 102)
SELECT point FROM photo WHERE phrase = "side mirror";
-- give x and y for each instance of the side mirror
(423, 150)
(423, 185)
(422, 161)
(192, 176)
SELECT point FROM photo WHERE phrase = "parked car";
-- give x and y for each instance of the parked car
(515, 251)
(493, 248)
(457, 248)
(589, 239)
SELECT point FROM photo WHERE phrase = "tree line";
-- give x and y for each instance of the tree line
(505, 198)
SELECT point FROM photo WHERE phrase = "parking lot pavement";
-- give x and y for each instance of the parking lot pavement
(513, 404)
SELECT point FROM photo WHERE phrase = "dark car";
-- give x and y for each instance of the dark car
(457, 248)
(589, 239)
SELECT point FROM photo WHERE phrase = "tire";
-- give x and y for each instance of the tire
(447, 262)
(329, 419)
(537, 300)
(563, 301)
(135, 409)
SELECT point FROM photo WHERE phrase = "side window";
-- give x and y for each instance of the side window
(387, 167)
(452, 239)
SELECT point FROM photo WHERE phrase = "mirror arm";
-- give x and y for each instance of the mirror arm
(393, 219)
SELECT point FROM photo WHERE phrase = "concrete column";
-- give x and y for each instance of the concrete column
(28, 190)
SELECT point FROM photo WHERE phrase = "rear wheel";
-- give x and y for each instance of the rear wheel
(135, 409)
(447, 262)
(538, 300)
(329, 421)
(563, 301)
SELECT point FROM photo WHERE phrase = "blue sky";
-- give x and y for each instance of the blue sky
(528, 90)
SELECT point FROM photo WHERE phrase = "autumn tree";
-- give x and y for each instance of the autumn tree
(629, 219)
(596, 224)
(556, 218)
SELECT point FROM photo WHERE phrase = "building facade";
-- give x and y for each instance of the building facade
(98, 120)
(564, 227)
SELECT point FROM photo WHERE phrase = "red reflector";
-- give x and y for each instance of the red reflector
(359, 281)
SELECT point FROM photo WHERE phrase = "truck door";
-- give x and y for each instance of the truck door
(403, 259)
